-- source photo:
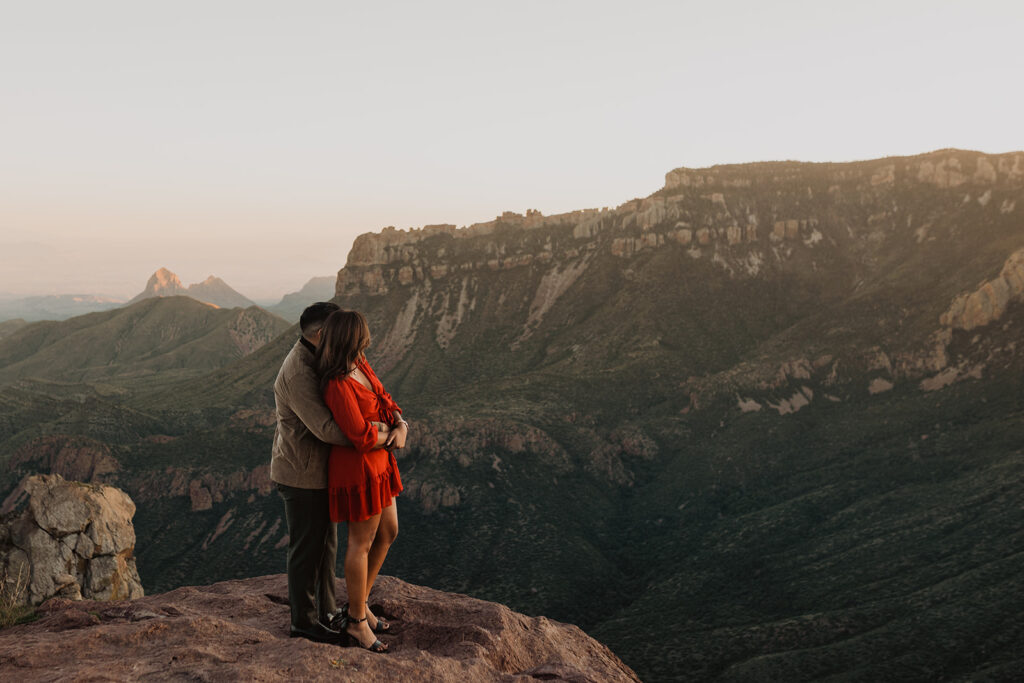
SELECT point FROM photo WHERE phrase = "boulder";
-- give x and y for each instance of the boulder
(72, 540)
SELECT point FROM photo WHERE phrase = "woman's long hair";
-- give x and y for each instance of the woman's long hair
(346, 335)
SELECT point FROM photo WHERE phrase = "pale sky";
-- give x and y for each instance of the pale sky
(254, 140)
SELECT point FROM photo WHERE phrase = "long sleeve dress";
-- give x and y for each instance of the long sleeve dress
(362, 478)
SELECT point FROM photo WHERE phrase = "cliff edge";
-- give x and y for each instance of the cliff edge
(238, 630)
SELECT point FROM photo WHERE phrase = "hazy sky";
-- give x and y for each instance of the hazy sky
(254, 140)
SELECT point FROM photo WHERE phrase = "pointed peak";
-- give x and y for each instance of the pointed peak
(212, 290)
(164, 279)
(161, 283)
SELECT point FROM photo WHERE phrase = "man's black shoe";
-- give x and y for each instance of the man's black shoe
(318, 633)
(337, 621)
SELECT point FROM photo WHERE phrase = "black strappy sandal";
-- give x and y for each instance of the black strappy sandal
(383, 626)
(338, 623)
(376, 646)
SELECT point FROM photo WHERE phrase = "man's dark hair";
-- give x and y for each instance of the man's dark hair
(314, 316)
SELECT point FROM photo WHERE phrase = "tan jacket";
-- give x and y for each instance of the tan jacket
(305, 427)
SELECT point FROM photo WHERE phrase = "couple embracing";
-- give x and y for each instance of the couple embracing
(332, 462)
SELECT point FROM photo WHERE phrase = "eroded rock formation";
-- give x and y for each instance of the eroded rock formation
(988, 303)
(68, 539)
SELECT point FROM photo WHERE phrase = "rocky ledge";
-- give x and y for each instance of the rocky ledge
(238, 630)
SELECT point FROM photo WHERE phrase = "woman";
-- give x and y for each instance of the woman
(362, 479)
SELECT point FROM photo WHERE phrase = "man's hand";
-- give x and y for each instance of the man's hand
(396, 437)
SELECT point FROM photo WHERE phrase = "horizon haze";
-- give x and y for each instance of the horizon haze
(254, 142)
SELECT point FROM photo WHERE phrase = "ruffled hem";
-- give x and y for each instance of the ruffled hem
(359, 503)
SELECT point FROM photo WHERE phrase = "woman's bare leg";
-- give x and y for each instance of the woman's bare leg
(387, 531)
(360, 540)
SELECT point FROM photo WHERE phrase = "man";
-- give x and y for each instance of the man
(298, 465)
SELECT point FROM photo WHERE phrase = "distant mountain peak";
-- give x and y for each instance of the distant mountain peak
(316, 289)
(213, 290)
(165, 279)
(161, 283)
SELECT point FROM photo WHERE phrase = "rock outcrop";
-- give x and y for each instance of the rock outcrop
(988, 303)
(238, 630)
(68, 539)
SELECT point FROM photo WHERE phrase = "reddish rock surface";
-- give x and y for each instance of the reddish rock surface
(238, 630)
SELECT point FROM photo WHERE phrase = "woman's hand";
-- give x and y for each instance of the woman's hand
(383, 434)
(396, 438)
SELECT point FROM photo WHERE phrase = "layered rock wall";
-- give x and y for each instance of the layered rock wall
(741, 217)
(834, 230)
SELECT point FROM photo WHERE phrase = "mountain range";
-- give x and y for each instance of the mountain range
(316, 289)
(763, 424)
(55, 307)
(212, 290)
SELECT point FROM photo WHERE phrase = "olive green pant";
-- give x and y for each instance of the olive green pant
(312, 555)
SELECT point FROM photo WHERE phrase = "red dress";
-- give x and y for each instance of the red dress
(362, 478)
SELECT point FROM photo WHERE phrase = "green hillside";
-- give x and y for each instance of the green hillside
(9, 327)
(166, 336)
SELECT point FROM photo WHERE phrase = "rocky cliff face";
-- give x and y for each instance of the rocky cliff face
(989, 302)
(70, 539)
(238, 630)
(745, 219)
(801, 236)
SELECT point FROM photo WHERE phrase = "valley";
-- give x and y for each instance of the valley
(763, 424)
